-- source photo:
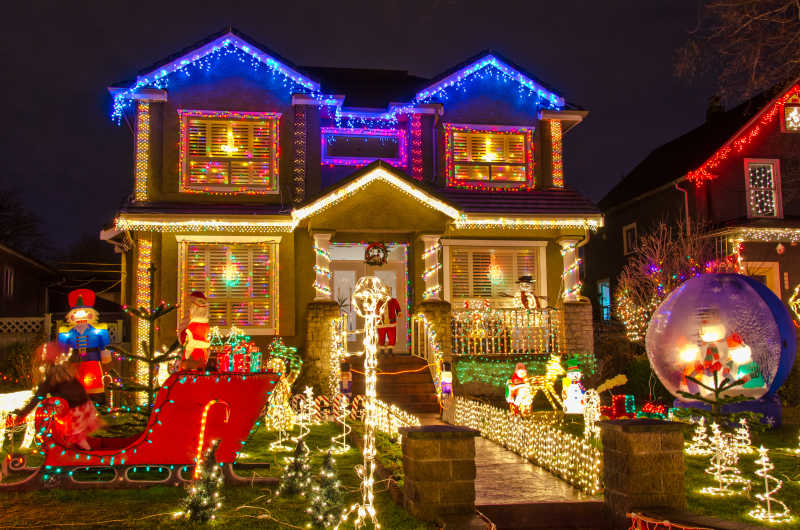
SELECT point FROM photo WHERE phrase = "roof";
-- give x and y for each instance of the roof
(36, 263)
(675, 159)
(526, 202)
(366, 87)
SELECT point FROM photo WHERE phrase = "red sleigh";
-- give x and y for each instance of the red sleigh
(190, 411)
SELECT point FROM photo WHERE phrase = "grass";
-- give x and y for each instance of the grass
(243, 506)
(781, 443)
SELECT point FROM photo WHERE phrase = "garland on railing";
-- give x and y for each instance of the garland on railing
(391, 418)
(496, 371)
(570, 457)
(503, 331)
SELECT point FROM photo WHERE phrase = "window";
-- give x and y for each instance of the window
(229, 152)
(239, 279)
(604, 298)
(359, 147)
(489, 157)
(8, 281)
(763, 188)
(480, 272)
(791, 115)
(630, 238)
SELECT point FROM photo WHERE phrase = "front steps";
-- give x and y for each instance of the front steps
(412, 391)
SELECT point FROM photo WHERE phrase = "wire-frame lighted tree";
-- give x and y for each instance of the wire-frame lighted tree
(150, 355)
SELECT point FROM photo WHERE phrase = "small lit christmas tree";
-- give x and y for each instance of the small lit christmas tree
(326, 497)
(744, 446)
(204, 497)
(765, 511)
(723, 464)
(296, 478)
(699, 445)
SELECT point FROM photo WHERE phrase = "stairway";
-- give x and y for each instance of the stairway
(411, 391)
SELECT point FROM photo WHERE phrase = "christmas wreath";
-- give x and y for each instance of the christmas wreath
(376, 254)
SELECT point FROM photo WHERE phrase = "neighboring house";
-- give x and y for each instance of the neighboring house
(24, 284)
(739, 172)
(261, 183)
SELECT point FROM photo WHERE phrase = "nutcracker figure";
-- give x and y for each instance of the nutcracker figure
(387, 325)
(193, 333)
(86, 342)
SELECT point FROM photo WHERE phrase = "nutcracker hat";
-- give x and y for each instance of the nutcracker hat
(81, 298)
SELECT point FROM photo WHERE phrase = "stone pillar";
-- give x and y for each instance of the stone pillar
(577, 328)
(438, 314)
(570, 278)
(642, 466)
(318, 360)
(439, 471)
(322, 267)
(431, 267)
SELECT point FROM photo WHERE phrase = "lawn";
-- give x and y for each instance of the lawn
(243, 506)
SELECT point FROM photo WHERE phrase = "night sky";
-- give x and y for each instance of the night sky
(73, 165)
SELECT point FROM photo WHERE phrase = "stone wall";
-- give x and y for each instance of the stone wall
(642, 466)
(439, 471)
(317, 353)
(577, 328)
(438, 314)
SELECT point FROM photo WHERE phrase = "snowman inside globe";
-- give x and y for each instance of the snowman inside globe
(722, 342)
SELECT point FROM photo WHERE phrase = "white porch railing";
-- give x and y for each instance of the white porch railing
(506, 331)
(20, 328)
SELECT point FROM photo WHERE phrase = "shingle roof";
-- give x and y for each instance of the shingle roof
(365, 87)
(541, 201)
(676, 158)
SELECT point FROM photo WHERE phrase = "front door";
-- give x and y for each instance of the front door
(347, 266)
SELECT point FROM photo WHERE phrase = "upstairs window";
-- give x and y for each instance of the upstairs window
(762, 178)
(630, 238)
(790, 115)
(229, 152)
(239, 280)
(489, 157)
(604, 298)
(358, 147)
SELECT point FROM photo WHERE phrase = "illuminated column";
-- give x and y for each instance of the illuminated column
(431, 266)
(322, 267)
(144, 259)
(557, 156)
(570, 278)
(142, 160)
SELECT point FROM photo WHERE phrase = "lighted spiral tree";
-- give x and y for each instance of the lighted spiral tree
(340, 441)
(369, 294)
(765, 511)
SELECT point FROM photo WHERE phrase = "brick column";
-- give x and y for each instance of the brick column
(577, 328)
(317, 367)
(439, 471)
(642, 466)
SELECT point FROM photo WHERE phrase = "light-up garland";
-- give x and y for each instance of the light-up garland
(181, 224)
(417, 171)
(299, 167)
(521, 223)
(570, 457)
(495, 370)
(765, 511)
(450, 162)
(737, 145)
(328, 132)
(143, 299)
(557, 150)
(272, 120)
(142, 160)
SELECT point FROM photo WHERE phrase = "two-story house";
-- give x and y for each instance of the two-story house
(261, 183)
(738, 173)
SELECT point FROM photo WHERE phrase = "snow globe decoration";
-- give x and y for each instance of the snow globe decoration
(723, 336)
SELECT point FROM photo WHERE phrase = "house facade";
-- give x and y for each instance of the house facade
(262, 183)
(738, 173)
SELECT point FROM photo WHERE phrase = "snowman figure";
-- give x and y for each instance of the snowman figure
(572, 389)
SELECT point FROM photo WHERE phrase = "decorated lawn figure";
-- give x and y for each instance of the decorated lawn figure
(527, 297)
(572, 390)
(518, 391)
(86, 342)
(387, 326)
(194, 334)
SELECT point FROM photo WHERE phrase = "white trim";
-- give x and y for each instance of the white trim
(492, 242)
(776, 177)
(228, 239)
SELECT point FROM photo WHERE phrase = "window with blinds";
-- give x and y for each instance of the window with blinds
(489, 156)
(239, 281)
(225, 155)
(490, 272)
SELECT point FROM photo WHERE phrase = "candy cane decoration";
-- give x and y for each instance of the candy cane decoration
(322, 407)
(297, 403)
(356, 407)
(340, 441)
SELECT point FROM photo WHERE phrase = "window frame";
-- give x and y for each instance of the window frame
(626, 250)
(793, 102)
(185, 240)
(450, 162)
(402, 146)
(776, 178)
(184, 115)
(603, 308)
(487, 244)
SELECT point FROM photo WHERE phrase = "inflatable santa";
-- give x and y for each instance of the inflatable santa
(193, 332)
(387, 326)
(86, 342)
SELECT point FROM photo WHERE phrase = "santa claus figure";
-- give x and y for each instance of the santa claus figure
(387, 326)
(193, 332)
(518, 391)
(86, 342)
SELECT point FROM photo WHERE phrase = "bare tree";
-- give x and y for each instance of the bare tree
(20, 228)
(665, 258)
(749, 45)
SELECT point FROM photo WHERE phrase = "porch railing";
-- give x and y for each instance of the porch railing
(506, 331)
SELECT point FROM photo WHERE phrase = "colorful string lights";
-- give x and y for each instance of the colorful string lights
(417, 171)
(557, 153)
(300, 142)
(329, 134)
(144, 260)
(142, 157)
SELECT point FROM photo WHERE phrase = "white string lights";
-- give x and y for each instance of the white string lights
(591, 415)
(744, 446)
(699, 445)
(766, 511)
(723, 464)
(340, 444)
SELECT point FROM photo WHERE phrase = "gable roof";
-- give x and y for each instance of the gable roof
(368, 87)
(675, 160)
